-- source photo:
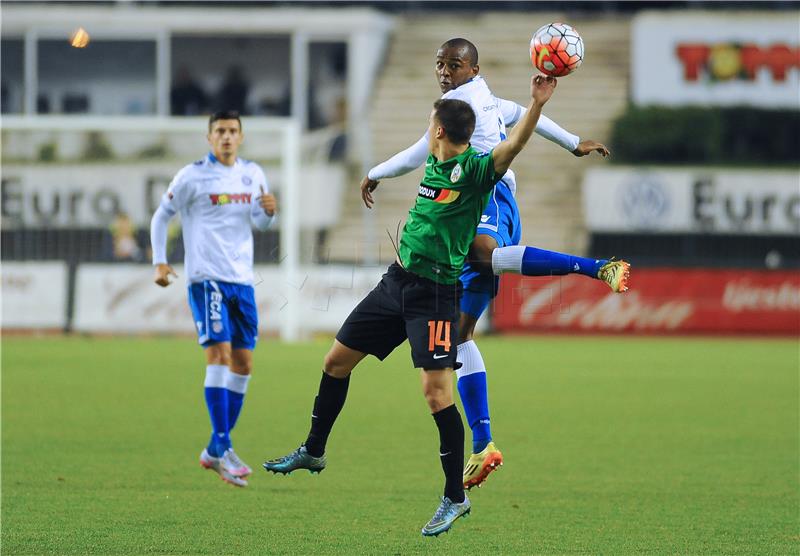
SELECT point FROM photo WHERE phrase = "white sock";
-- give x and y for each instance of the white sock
(215, 376)
(470, 358)
(236, 382)
(508, 259)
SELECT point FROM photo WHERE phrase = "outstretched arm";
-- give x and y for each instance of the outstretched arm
(547, 128)
(503, 154)
(403, 162)
(400, 164)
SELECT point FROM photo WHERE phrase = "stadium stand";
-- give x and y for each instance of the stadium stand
(548, 177)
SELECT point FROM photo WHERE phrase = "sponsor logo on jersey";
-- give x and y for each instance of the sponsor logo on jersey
(246, 180)
(455, 175)
(228, 198)
(484, 218)
(445, 196)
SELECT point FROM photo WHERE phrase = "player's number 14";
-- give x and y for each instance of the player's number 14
(438, 334)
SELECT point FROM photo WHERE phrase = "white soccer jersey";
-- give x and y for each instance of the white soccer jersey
(490, 128)
(492, 114)
(218, 206)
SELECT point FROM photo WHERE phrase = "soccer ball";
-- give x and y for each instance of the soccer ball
(556, 49)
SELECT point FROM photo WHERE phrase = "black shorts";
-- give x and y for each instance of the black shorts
(405, 305)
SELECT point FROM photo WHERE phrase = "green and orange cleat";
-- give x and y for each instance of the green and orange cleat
(616, 274)
(480, 465)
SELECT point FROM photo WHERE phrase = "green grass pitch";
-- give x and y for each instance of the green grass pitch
(612, 445)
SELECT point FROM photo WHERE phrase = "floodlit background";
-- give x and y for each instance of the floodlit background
(699, 103)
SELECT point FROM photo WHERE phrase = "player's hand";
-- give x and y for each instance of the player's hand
(589, 146)
(367, 187)
(268, 202)
(542, 87)
(163, 273)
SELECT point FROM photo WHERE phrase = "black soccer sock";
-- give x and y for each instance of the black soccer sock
(451, 451)
(327, 405)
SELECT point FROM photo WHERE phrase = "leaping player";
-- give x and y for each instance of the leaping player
(496, 248)
(220, 198)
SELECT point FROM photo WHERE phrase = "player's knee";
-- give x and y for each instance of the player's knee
(336, 366)
(218, 354)
(242, 367)
(438, 396)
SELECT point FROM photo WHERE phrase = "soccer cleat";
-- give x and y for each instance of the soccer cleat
(616, 275)
(210, 462)
(299, 459)
(445, 515)
(481, 464)
(235, 466)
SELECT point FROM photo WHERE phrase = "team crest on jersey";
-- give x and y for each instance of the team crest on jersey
(455, 175)
(228, 198)
(246, 180)
(444, 196)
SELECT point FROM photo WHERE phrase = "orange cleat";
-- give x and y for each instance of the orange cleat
(480, 465)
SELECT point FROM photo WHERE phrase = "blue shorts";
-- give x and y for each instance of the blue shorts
(224, 312)
(500, 220)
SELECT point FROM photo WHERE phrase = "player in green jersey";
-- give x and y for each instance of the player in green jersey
(418, 297)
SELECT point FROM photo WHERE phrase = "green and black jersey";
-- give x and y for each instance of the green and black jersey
(442, 223)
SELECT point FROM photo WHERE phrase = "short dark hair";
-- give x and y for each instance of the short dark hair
(224, 115)
(459, 43)
(456, 117)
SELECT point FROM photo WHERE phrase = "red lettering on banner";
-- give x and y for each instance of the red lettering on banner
(724, 60)
(660, 300)
(694, 58)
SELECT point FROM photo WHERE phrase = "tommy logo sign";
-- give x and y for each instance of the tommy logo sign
(228, 198)
(726, 61)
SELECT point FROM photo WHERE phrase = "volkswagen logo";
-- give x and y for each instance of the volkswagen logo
(645, 202)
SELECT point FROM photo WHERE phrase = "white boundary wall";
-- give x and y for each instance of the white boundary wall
(692, 200)
(34, 295)
(122, 298)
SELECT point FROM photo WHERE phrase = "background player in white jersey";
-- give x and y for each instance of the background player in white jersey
(495, 248)
(219, 198)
